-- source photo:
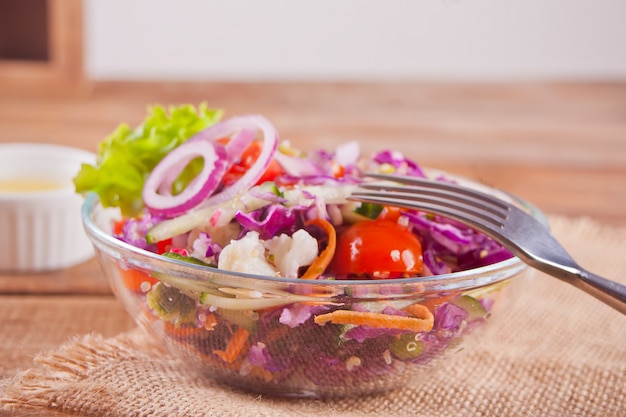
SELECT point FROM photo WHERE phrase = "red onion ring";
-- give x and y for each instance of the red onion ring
(255, 172)
(164, 174)
(217, 159)
(238, 144)
(295, 166)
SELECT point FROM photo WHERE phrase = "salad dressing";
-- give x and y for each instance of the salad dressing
(28, 185)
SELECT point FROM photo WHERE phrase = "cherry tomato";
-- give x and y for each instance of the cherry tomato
(248, 158)
(377, 249)
(390, 213)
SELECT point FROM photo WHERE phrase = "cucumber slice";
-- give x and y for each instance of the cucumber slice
(473, 307)
(190, 259)
(171, 304)
(407, 347)
(354, 212)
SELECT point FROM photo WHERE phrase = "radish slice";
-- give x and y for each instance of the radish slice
(157, 194)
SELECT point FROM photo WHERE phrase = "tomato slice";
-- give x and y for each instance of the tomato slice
(248, 158)
(379, 249)
(164, 246)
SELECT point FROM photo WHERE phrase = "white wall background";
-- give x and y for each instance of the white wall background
(356, 39)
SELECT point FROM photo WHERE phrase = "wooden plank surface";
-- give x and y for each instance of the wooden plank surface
(561, 146)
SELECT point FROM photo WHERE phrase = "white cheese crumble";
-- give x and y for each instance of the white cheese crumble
(280, 256)
(246, 255)
(290, 253)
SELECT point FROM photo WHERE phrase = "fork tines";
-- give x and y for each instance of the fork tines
(502, 219)
(440, 197)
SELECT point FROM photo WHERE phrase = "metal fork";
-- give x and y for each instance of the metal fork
(524, 235)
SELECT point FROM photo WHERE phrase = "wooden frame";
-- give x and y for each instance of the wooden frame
(64, 71)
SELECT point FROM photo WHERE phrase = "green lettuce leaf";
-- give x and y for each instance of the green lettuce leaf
(127, 156)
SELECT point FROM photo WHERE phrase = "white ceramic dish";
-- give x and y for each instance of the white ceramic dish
(40, 222)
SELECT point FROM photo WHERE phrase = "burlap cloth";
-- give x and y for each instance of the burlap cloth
(554, 351)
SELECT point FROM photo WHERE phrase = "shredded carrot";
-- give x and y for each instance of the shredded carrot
(379, 320)
(260, 373)
(419, 311)
(179, 331)
(212, 360)
(210, 321)
(323, 260)
(432, 303)
(236, 345)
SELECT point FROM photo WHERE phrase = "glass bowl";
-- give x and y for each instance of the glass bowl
(286, 337)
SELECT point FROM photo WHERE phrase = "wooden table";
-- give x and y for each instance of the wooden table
(561, 146)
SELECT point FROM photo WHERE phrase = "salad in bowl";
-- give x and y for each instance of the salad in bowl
(245, 256)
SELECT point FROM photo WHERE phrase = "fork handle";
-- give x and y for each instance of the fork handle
(609, 292)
